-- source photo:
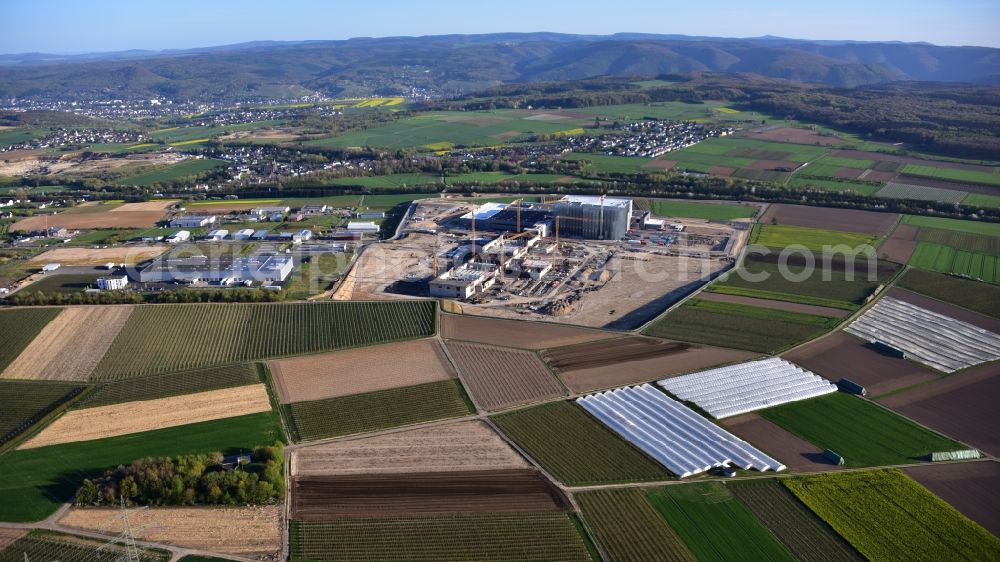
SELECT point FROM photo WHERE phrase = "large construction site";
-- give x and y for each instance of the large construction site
(593, 261)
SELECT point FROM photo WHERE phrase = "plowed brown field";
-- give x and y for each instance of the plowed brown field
(366, 369)
(971, 487)
(435, 493)
(468, 445)
(900, 246)
(98, 256)
(847, 220)
(514, 333)
(498, 378)
(254, 532)
(129, 215)
(69, 347)
(796, 453)
(136, 417)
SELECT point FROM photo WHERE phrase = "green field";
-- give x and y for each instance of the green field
(739, 326)
(173, 135)
(858, 430)
(837, 286)
(18, 327)
(316, 276)
(164, 338)
(39, 546)
(576, 448)
(37, 481)
(189, 167)
(18, 136)
(860, 164)
(715, 525)
(945, 259)
(483, 538)
(969, 294)
(670, 110)
(611, 164)
(921, 193)
(625, 524)
(413, 180)
(982, 200)
(889, 517)
(834, 185)
(26, 402)
(172, 384)
(808, 537)
(445, 130)
(973, 227)
(814, 239)
(64, 283)
(375, 411)
(953, 174)
(700, 210)
(960, 240)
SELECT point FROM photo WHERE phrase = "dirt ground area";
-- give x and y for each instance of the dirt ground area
(71, 345)
(840, 355)
(8, 536)
(970, 487)
(253, 532)
(630, 371)
(950, 310)
(161, 205)
(962, 406)
(900, 246)
(277, 135)
(795, 136)
(778, 305)
(878, 176)
(21, 167)
(119, 217)
(846, 220)
(499, 378)
(773, 165)
(662, 164)
(795, 453)
(380, 265)
(147, 415)
(723, 171)
(366, 369)
(99, 256)
(466, 445)
(602, 354)
(848, 173)
(513, 333)
(430, 493)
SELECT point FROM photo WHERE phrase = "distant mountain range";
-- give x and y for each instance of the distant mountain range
(452, 64)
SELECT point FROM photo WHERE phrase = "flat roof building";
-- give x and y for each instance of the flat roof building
(115, 283)
(243, 234)
(464, 281)
(179, 236)
(362, 227)
(593, 217)
(264, 268)
(194, 221)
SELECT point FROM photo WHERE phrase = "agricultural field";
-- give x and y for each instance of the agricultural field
(628, 360)
(253, 531)
(49, 545)
(670, 110)
(322, 498)
(499, 378)
(899, 246)
(27, 402)
(64, 283)
(170, 384)
(980, 297)
(961, 240)
(795, 453)
(887, 516)
(459, 446)
(958, 175)
(982, 200)
(807, 536)
(71, 345)
(605, 164)
(86, 217)
(969, 487)
(374, 411)
(137, 417)
(163, 338)
(946, 259)
(576, 448)
(715, 525)
(18, 327)
(552, 537)
(355, 371)
(895, 190)
(841, 220)
(861, 432)
(739, 326)
(187, 168)
(99, 256)
(972, 227)
(863, 188)
(813, 239)
(515, 333)
(701, 210)
(38, 481)
(628, 528)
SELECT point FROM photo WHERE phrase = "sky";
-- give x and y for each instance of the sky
(75, 26)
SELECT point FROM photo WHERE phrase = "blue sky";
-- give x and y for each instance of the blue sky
(75, 26)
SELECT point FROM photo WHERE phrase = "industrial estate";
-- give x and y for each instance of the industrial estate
(532, 323)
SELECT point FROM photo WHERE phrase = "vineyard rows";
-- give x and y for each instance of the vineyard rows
(625, 524)
(25, 402)
(44, 546)
(173, 384)
(18, 327)
(491, 538)
(374, 411)
(176, 337)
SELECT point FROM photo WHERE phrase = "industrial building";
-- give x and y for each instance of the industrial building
(464, 281)
(115, 283)
(593, 218)
(243, 234)
(194, 221)
(369, 227)
(264, 268)
(501, 217)
(217, 235)
(179, 236)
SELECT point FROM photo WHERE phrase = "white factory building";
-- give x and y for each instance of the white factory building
(367, 227)
(179, 236)
(194, 221)
(464, 281)
(593, 217)
(264, 268)
(115, 283)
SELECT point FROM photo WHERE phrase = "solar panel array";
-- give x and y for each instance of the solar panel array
(673, 434)
(738, 389)
(933, 339)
